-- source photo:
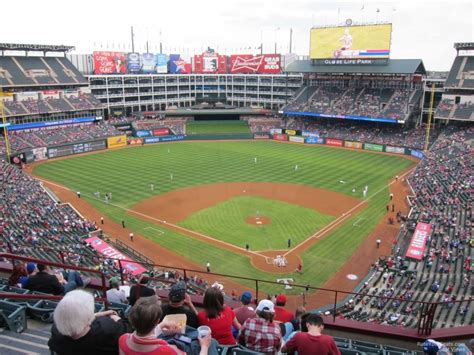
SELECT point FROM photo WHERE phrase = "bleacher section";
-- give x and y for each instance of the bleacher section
(461, 74)
(353, 101)
(448, 109)
(36, 71)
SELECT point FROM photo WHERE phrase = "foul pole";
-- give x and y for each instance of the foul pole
(5, 128)
(430, 114)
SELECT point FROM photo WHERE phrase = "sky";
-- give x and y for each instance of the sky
(421, 29)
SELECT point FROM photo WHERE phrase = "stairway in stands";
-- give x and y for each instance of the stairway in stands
(31, 341)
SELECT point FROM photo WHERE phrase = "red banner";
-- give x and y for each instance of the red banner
(110, 252)
(109, 63)
(262, 64)
(334, 142)
(280, 137)
(210, 63)
(161, 132)
(417, 245)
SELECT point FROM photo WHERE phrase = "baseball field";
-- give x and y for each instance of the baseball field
(208, 201)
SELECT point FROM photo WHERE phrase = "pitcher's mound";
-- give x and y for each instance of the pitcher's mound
(258, 221)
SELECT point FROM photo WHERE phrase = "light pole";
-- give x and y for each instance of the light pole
(275, 35)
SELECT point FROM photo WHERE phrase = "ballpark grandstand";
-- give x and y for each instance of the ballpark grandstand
(339, 184)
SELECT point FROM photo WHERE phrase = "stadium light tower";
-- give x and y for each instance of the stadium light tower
(275, 33)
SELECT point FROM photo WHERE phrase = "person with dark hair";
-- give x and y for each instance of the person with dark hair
(19, 276)
(281, 313)
(145, 317)
(245, 311)
(141, 289)
(180, 303)
(218, 317)
(261, 333)
(55, 284)
(311, 341)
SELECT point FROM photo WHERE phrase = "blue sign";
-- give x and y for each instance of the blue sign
(417, 153)
(355, 118)
(161, 63)
(314, 140)
(133, 63)
(148, 140)
(21, 126)
(310, 134)
(148, 63)
(143, 133)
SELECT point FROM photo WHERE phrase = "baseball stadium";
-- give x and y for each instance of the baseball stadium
(339, 183)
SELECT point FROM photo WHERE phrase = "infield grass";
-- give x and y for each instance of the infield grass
(127, 173)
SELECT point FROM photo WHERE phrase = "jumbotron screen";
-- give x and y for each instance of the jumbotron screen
(351, 42)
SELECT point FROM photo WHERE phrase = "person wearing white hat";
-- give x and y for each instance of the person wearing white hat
(261, 333)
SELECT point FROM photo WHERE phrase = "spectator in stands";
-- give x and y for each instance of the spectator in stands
(261, 333)
(219, 317)
(19, 276)
(311, 340)
(77, 330)
(54, 284)
(145, 317)
(141, 289)
(281, 314)
(180, 303)
(245, 311)
(115, 294)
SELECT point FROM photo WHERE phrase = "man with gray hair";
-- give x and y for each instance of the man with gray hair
(78, 330)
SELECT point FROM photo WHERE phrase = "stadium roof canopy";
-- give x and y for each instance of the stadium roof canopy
(394, 66)
(35, 47)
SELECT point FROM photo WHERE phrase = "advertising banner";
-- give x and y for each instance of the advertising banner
(354, 42)
(110, 252)
(148, 140)
(275, 131)
(346, 117)
(148, 63)
(417, 153)
(250, 64)
(314, 140)
(353, 145)
(210, 63)
(396, 150)
(334, 142)
(118, 141)
(109, 63)
(179, 64)
(280, 137)
(161, 132)
(296, 139)
(418, 241)
(40, 153)
(290, 132)
(310, 134)
(375, 147)
(76, 148)
(135, 141)
(143, 133)
(133, 63)
(17, 127)
(161, 63)
(260, 136)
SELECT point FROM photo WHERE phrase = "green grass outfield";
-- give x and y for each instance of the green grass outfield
(128, 173)
(226, 221)
(217, 127)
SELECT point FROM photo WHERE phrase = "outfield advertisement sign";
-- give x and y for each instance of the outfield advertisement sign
(110, 252)
(353, 145)
(179, 64)
(334, 142)
(117, 141)
(280, 137)
(291, 132)
(161, 132)
(250, 64)
(309, 134)
(314, 140)
(161, 63)
(135, 141)
(260, 136)
(417, 245)
(133, 63)
(276, 131)
(76, 148)
(417, 153)
(149, 140)
(374, 147)
(296, 139)
(148, 63)
(109, 63)
(16, 127)
(396, 150)
(143, 133)
(346, 117)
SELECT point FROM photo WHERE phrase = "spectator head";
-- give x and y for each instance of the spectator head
(145, 314)
(177, 293)
(281, 300)
(144, 278)
(431, 347)
(42, 268)
(213, 302)
(114, 282)
(31, 268)
(18, 271)
(74, 313)
(246, 298)
(266, 310)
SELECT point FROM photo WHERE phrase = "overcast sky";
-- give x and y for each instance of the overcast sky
(421, 29)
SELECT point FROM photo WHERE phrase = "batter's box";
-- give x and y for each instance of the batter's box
(359, 222)
(160, 232)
